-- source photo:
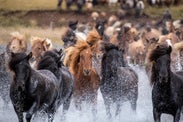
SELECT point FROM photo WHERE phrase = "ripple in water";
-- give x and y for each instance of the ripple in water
(143, 113)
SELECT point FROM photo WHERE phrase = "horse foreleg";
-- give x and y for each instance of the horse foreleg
(31, 111)
(66, 106)
(107, 106)
(59, 3)
(118, 108)
(156, 115)
(19, 114)
(177, 115)
(94, 107)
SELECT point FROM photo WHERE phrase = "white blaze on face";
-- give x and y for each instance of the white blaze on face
(169, 42)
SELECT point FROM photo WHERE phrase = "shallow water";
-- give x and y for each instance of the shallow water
(143, 113)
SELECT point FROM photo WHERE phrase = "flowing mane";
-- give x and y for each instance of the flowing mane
(159, 51)
(74, 57)
(93, 37)
(16, 59)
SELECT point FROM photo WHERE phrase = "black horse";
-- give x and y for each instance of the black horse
(5, 79)
(119, 82)
(167, 92)
(31, 90)
(65, 78)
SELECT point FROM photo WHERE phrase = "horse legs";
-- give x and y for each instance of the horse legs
(66, 106)
(31, 111)
(59, 3)
(118, 108)
(107, 106)
(177, 115)
(156, 115)
(19, 114)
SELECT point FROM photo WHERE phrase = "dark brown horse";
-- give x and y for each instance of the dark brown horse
(65, 78)
(31, 90)
(167, 92)
(86, 78)
(119, 82)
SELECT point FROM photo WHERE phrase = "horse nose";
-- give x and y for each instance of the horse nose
(86, 72)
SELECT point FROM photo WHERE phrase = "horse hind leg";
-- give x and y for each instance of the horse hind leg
(31, 111)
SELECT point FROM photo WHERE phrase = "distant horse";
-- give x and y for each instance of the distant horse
(79, 3)
(39, 46)
(31, 90)
(17, 43)
(5, 80)
(65, 79)
(86, 79)
(167, 92)
(119, 82)
(69, 38)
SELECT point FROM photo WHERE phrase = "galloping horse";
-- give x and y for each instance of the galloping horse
(65, 78)
(167, 92)
(86, 78)
(31, 90)
(119, 82)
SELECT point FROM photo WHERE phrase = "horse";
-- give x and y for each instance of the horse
(86, 79)
(167, 90)
(79, 4)
(4, 81)
(16, 44)
(38, 47)
(119, 82)
(65, 78)
(31, 90)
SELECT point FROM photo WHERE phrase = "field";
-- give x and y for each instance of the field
(43, 18)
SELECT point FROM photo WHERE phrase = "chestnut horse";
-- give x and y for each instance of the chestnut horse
(86, 79)
(39, 46)
(31, 90)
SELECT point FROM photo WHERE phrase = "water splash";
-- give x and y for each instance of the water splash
(143, 113)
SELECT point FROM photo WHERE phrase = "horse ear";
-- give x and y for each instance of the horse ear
(29, 55)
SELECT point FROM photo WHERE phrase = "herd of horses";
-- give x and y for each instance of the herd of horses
(43, 78)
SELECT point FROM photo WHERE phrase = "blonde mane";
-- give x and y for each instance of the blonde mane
(73, 54)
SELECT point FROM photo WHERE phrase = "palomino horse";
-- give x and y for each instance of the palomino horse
(39, 46)
(167, 92)
(17, 43)
(119, 82)
(86, 79)
(65, 78)
(31, 90)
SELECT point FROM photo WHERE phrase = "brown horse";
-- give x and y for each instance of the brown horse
(86, 79)
(39, 46)
(17, 43)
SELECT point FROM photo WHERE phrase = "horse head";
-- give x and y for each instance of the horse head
(160, 57)
(17, 43)
(19, 64)
(86, 61)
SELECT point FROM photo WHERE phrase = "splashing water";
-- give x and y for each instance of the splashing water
(143, 113)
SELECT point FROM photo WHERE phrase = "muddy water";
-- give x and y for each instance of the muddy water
(143, 113)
